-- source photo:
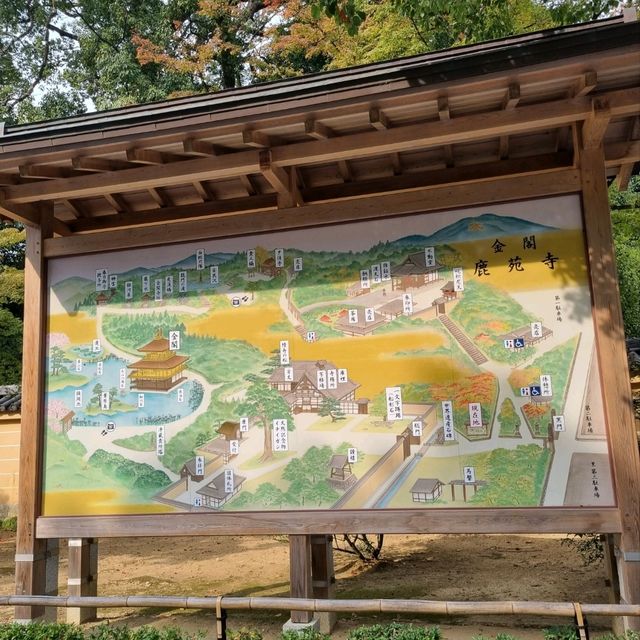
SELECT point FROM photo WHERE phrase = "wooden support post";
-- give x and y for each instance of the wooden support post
(613, 366)
(82, 577)
(36, 559)
(323, 578)
(300, 574)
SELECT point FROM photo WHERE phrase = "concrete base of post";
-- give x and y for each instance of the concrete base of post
(301, 627)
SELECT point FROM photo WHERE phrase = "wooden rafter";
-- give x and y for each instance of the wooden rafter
(160, 197)
(411, 137)
(75, 208)
(595, 125)
(626, 170)
(319, 131)
(47, 171)
(153, 156)
(117, 202)
(282, 180)
(92, 163)
(201, 147)
(586, 83)
(510, 101)
(259, 139)
(380, 121)
(444, 114)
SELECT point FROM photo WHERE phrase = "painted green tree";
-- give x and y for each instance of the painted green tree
(509, 419)
(331, 407)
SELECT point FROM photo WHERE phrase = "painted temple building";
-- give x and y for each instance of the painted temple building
(413, 272)
(160, 368)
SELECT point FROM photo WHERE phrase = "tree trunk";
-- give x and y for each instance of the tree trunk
(268, 445)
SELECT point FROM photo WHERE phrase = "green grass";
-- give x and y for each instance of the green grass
(142, 442)
(62, 380)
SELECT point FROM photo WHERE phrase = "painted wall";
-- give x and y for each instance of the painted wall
(9, 462)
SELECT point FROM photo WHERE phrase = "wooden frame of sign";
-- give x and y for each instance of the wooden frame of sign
(283, 206)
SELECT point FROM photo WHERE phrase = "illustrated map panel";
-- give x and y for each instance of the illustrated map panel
(431, 361)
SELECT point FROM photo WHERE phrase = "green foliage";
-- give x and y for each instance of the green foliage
(628, 635)
(331, 407)
(244, 634)
(499, 636)
(40, 631)
(60, 631)
(395, 631)
(9, 524)
(563, 632)
(626, 238)
(508, 418)
(304, 634)
(142, 442)
(139, 477)
(10, 348)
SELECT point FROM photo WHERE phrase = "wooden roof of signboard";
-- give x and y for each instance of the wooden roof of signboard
(284, 152)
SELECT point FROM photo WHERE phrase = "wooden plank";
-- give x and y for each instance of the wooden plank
(619, 153)
(248, 185)
(504, 520)
(587, 82)
(323, 578)
(432, 198)
(510, 101)
(75, 208)
(319, 131)
(624, 175)
(160, 197)
(300, 574)
(82, 577)
(398, 139)
(616, 389)
(444, 114)
(595, 125)
(31, 573)
(201, 147)
(101, 164)
(153, 156)
(117, 202)
(258, 139)
(281, 180)
(379, 121)
(49, 172)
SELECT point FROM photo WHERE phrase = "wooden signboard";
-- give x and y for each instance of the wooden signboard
(372, 373)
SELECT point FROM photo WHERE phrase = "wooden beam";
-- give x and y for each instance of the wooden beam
(101, 164)
(586, 83)
(445, 114)
(258, 139)
(300, 574)
(248, 185)
(169, 214)
(48, 172)
(117, 202)
(31, 553)
(435, 198)
(619, 153)
(379, 121)
(616, 389)
(9, 178)
(510, 101)
(76, 208)
(624, 175)
(282, 180)
(595, 125)
(450, 520)
(160, 197)
(203, 191)
(320, 131)
(152, 156)
(201, 147)
(367, 144)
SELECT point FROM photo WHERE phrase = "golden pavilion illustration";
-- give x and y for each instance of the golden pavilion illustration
(160, 368)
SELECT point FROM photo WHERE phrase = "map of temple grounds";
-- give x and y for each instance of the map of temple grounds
(430, 361)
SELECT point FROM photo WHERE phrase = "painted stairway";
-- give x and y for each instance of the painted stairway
(462, 339)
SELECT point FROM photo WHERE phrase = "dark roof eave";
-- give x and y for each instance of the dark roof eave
(433, 68)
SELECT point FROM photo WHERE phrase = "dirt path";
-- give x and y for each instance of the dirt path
(430, 567)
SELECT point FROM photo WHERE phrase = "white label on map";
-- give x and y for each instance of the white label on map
(123, 379)
(536, 329)
(99, 368)
(182, 282)
(416, 428)
(157, 292)
(284, 352)
(197, 501)
(128, 290)
(407, 304)
(251, 259)
(229, 481)
(311, 336)
(280, 435)
(160, 440)
(376, 274)
(469, 475)
(200, 260)
(78, 365)
(199, 465)
(234, 447)
(180, 395)
(352, 455)
(447, 421)
(77, 399)
(332, 379)
(102, 280)
(509, 344)
(244, 424)
(214, 276)
(545, 385)
(353, 316)
(279, 258)
(95, 346)
(168, 285)
(146, 284)
(113, 282)
(342, 376)
(394, 403)
(322, 379)
(385, 271)
(430, 256)
(140, 400)
(174, 340)
(288, 374)
(525, 391)
(369, 314)
(297, 264)
(558, 423)
(458, 279)
(475, 415)
(365, 280)
(105, 401)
